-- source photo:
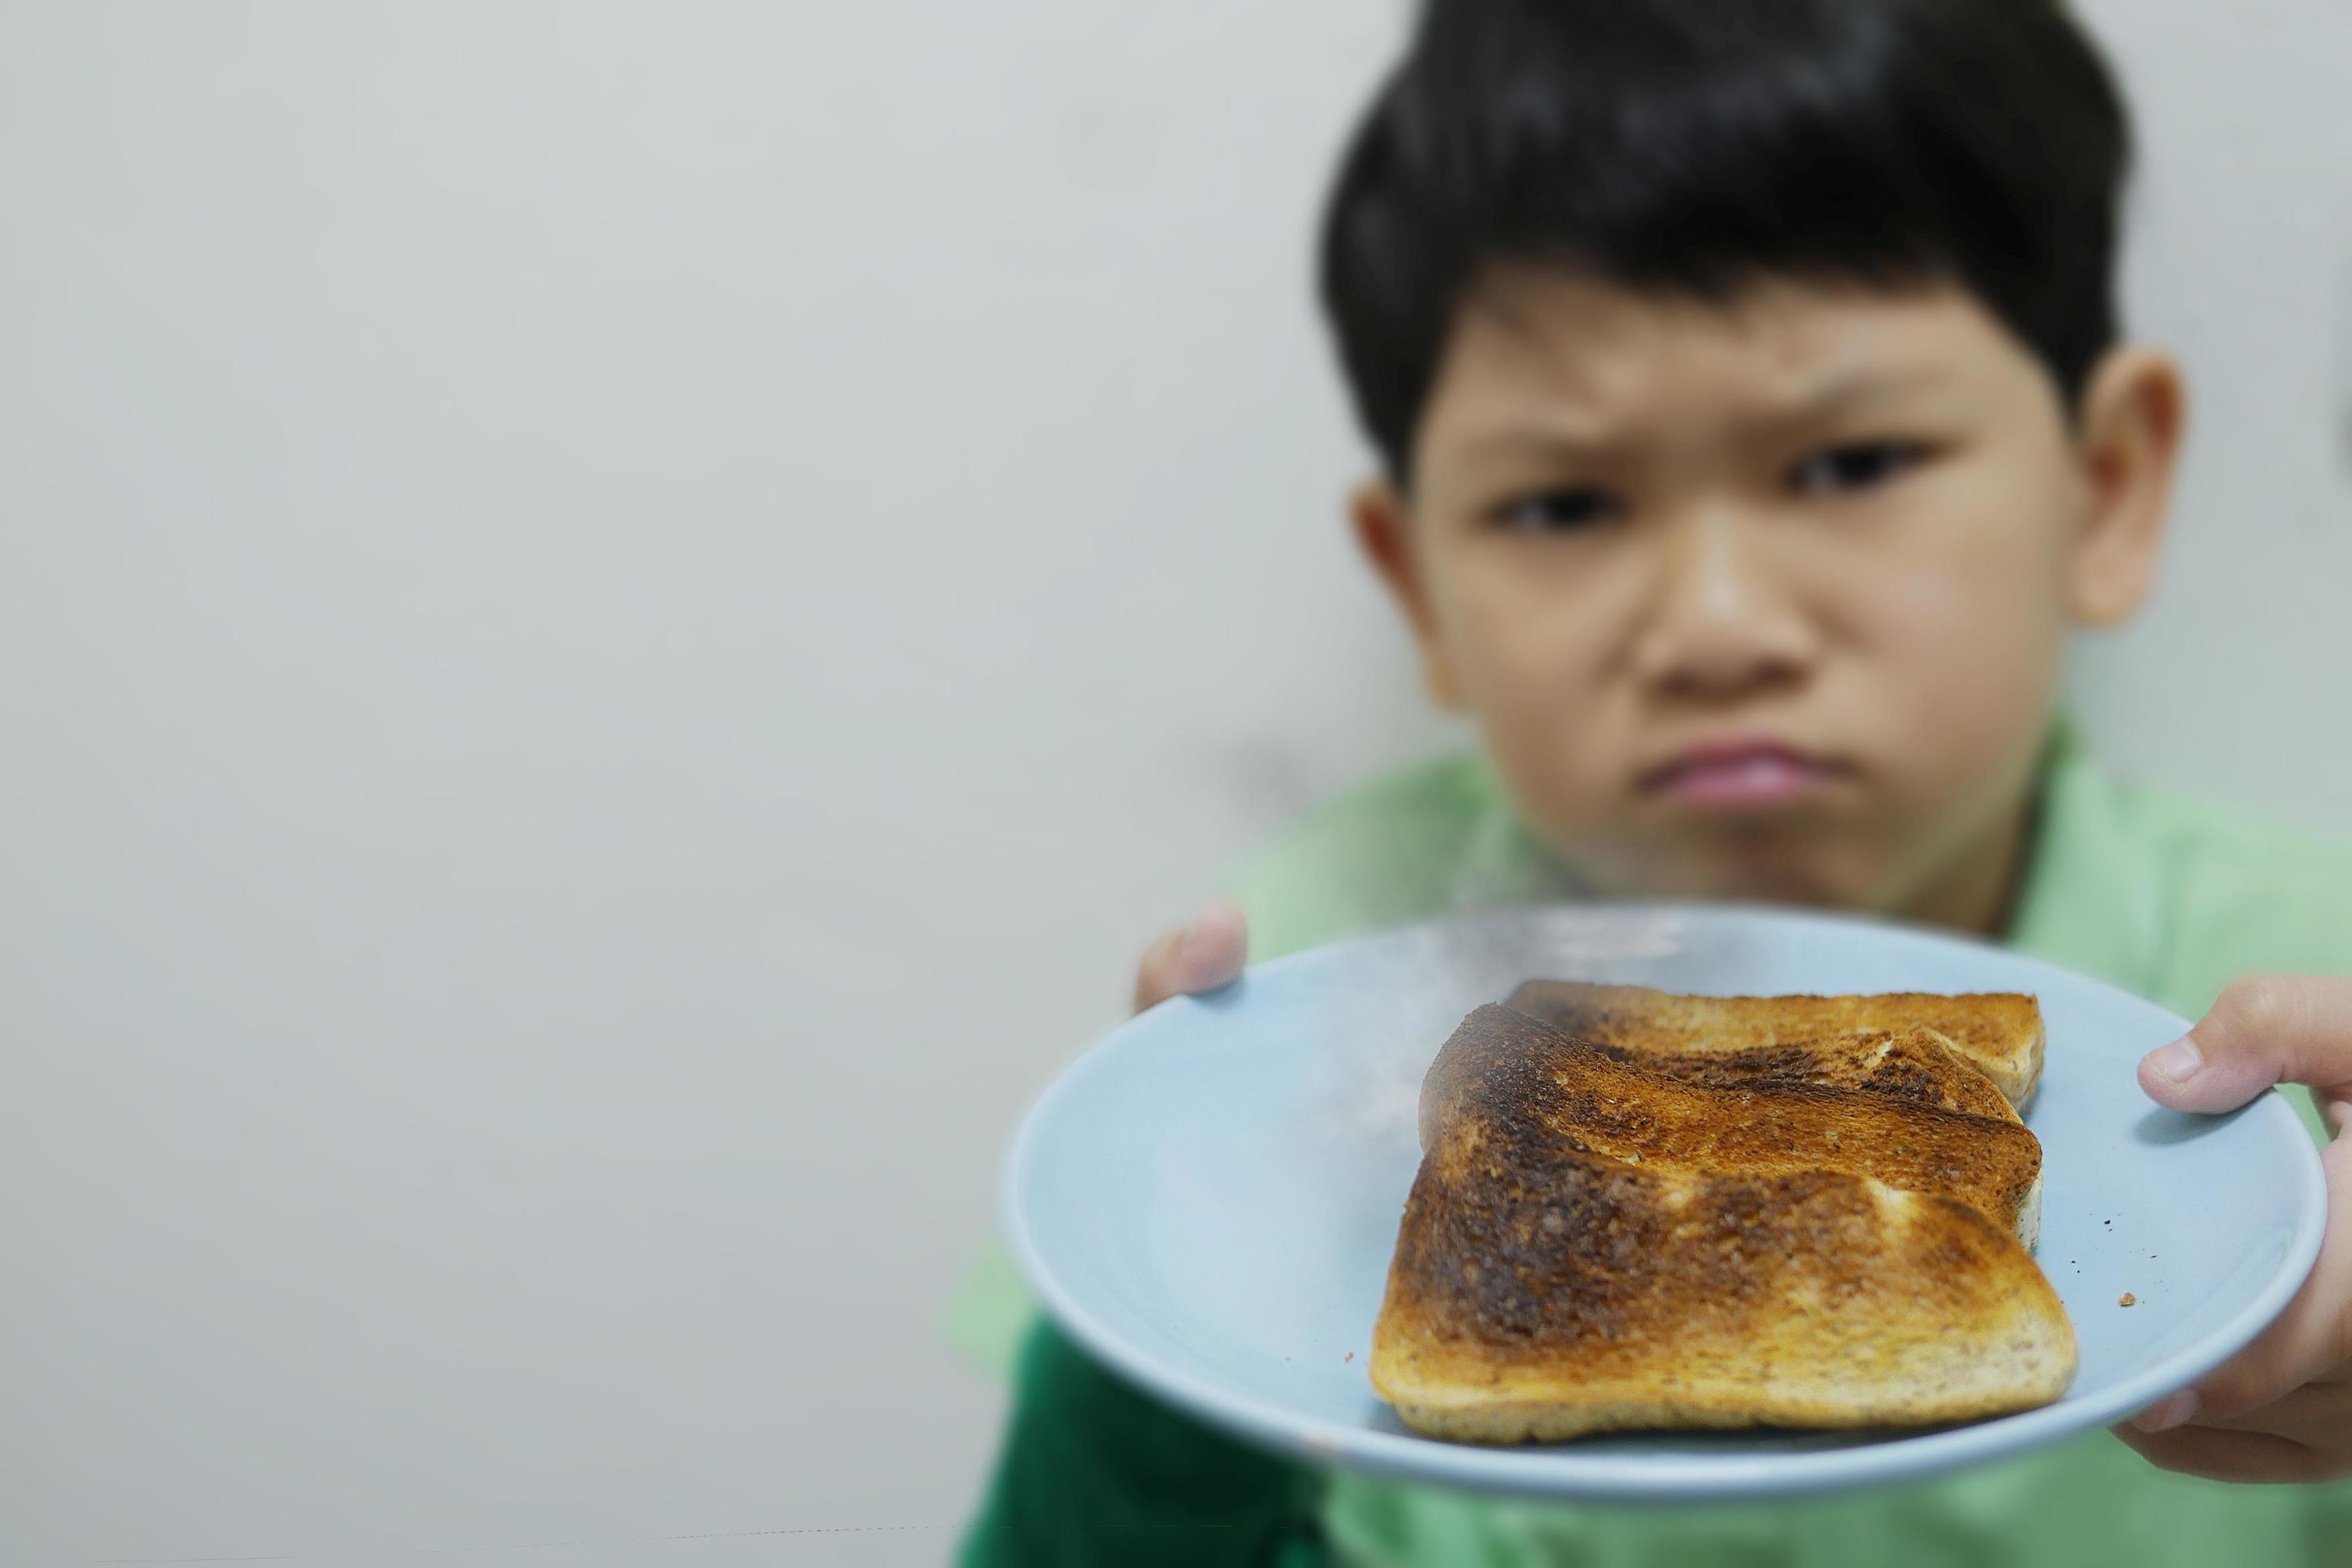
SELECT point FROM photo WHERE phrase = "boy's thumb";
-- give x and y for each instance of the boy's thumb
(1202, 956)
(2265, 1031)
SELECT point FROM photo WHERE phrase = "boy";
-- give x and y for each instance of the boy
(1754, 427)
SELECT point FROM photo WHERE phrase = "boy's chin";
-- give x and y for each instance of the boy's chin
(1793, 885)
(1757, 875)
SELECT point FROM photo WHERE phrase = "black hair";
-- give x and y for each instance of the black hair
(1698, 146)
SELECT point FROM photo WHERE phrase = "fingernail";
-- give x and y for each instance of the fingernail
(2168, 1413)
(2178, 1062)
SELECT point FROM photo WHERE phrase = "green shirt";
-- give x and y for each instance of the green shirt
(2164, 896)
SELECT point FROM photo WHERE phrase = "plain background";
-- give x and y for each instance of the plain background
(616, 620)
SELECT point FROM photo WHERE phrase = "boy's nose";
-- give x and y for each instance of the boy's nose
(1719, 623)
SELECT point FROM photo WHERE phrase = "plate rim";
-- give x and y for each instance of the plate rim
(1559, 1472)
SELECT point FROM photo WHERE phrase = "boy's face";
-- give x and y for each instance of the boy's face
(1768, 598)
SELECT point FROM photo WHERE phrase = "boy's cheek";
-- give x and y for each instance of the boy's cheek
(1560, 740)
(1966, 673)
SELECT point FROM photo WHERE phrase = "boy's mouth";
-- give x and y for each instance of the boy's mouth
(1742, 774)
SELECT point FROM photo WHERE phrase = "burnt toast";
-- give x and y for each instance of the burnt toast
(1594, 1244)
(2001, 1034)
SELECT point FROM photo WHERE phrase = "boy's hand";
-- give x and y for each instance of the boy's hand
(2282, 1409)
(1202, 956)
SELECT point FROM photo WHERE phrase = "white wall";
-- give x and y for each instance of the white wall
(2236, 681)
(615, 620)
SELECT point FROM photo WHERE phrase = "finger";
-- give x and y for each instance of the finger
(1155, 977)
(2318, 1416)
(2271, 1029)
(2229, 1455)
(2310, 1342)
(1200, 957)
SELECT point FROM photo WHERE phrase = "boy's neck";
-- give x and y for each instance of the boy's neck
(1979, 894)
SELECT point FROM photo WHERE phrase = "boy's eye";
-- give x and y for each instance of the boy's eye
(1559, 510)
(1857, 465)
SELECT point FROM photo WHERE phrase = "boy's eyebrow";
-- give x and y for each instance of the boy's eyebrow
(1836, 392)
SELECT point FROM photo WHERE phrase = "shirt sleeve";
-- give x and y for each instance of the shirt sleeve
(1094, 1471)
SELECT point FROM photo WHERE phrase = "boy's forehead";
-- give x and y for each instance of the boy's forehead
(1583, 348)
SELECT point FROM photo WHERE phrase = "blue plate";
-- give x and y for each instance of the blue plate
(1208, 1199)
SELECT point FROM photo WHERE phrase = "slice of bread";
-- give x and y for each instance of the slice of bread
(2000, 1033)
(1592, 1246)
(1596, 1100)
(1914, 1064)
(1606, 1297)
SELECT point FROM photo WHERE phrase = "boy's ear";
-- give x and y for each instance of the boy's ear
(1383, 528)
(2133, 414)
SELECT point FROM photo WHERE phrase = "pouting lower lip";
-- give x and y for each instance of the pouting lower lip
(1745, 778)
